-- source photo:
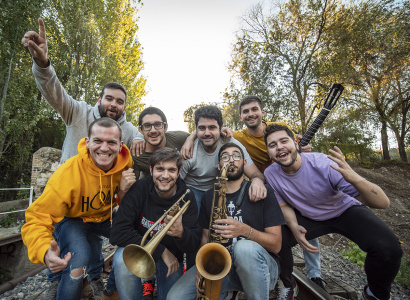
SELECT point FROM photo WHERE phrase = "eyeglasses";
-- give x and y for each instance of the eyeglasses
(227, 157)
(148, 126)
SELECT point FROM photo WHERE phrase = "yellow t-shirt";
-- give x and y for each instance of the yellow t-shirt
(255, 145)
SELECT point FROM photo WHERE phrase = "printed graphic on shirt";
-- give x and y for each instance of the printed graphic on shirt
(100, 199)
(236, 215)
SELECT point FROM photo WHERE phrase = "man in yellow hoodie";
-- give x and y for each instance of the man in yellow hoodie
(80, 197)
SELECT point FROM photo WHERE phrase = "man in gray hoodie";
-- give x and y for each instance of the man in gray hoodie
(77, 115)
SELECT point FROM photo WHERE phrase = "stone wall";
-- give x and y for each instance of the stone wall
(45, 162)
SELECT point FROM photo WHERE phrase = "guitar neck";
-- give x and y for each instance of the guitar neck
(314, 127)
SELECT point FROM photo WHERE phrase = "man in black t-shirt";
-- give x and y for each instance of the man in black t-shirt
(253, 230)
(144, 203)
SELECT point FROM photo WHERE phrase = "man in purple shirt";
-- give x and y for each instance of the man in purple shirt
(322, 194)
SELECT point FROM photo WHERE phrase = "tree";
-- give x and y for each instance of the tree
(370, 50)
(277, 53)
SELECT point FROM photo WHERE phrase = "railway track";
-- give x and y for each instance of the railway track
(307, 289)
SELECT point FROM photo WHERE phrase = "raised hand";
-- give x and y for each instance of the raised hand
(37, 44)
(52, 258)
(343, 167)
(127, 180)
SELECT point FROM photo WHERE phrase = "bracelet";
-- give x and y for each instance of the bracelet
(250, 233)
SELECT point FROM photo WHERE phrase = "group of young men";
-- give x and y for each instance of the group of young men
(299, 197)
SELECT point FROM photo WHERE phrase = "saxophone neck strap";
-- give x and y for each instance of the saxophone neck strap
(244, 184)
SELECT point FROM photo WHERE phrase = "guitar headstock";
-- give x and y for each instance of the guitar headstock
(333, 95)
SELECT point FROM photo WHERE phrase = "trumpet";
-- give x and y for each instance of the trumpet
(138, 259)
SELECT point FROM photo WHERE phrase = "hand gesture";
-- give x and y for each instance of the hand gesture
(52, 258)
(343, 167)
(37, 44)
(137, 147)
(300, 235)
(171, 261)
(177, 229)
(127, 180)
(230, 228)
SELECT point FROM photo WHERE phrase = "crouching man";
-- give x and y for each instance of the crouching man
(141, 207)
(253, 231)
(79, 195)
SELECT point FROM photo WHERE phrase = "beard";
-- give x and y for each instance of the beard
(293, 158)
(103, 113)
(235, 175)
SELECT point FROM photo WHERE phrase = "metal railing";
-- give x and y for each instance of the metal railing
(30, 198)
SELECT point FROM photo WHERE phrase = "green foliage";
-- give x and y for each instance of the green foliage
(90, 43)
(8, 220)
(403, 277)
(355, 254)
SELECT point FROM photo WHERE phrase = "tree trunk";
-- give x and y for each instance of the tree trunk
(385, 141)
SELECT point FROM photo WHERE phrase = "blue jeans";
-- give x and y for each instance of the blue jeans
(84, 242)
(95, 266)
(253, 271)
(312, 260)
(129, 286)
(198, 196)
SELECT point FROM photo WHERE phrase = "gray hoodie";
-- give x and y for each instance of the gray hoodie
(77, 115)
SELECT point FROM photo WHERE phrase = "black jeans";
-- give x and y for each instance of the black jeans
(364, 228)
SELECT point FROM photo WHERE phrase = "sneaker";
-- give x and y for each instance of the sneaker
(365, 296)
(51, 292)
(148, 290)
(97, 286)
(288, 293)
(232, 295)
(319, 281)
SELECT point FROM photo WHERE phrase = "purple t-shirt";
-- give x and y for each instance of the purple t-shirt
(316, 190)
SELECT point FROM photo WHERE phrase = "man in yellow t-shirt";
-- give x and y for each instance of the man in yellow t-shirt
(251, 113)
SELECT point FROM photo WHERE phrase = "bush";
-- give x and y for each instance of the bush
(403, 277)
(355, 254)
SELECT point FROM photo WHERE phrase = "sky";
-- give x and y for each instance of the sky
(186, 50)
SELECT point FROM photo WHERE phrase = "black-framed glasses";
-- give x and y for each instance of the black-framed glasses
(157, 125)
(227, 157)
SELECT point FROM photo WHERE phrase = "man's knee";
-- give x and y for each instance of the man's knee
(78, 273)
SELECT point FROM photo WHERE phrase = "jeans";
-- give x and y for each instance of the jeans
(84, 242)
(198, 196)
(364, 228)
(312, 260)
(129, 286)
(253, 271)
(190, 257)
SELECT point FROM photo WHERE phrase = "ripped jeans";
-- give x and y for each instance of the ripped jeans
(82, 240)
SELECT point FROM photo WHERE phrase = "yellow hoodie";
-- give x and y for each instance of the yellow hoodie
(77, 189)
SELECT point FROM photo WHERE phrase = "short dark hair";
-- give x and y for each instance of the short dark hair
(104, 122)
(114, 86)
(250, 99)
(209, 112)
(276, 127)
(166, 154)
(229, 145)
(151, 111)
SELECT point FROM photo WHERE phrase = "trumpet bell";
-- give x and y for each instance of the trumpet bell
(213, 261)
(139, 261)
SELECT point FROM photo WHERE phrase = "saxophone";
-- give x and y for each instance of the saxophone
(213, 260)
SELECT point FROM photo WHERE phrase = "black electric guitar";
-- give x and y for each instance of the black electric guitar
(330, 102)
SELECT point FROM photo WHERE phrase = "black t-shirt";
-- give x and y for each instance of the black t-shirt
(259, 215)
